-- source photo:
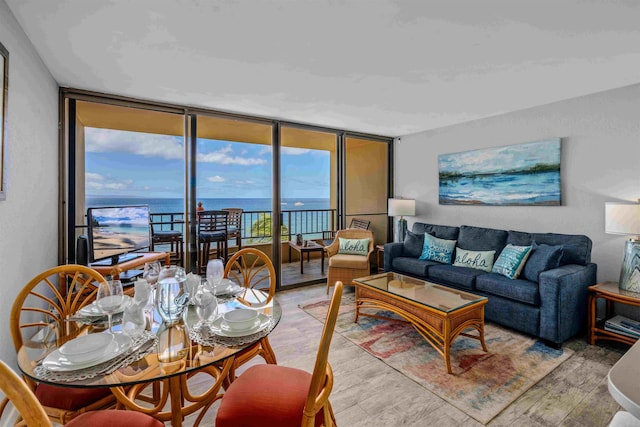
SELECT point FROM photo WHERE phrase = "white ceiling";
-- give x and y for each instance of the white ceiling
(378, 66)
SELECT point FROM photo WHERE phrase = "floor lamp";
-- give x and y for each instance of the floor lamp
(401, 207)
(624, 218)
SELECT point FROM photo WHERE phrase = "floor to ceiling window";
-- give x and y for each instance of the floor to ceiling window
(305, 179)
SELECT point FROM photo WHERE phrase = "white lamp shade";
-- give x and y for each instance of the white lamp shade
(622, 218)
(402, 207)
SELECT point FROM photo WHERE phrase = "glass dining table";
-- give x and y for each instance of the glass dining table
(142, 382)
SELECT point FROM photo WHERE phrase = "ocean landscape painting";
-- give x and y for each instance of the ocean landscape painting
(522, 174)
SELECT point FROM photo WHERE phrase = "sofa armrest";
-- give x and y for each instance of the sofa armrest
(391, 251)
(563, 297)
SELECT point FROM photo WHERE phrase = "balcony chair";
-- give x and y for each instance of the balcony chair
(253, 270)
(329, 236)
(32, 413)
(172, 237)
(347, 266)
(234, 225)
(38, 316)
(212, 228)
(271, 395)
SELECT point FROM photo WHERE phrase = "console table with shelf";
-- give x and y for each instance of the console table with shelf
(611, 293)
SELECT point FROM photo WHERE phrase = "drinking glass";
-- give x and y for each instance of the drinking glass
(205, 302)
(151, 272)
(215, 272)
(171, 294)
(109, 298)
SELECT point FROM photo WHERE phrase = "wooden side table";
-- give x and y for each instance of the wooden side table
(380, 258)
(611, 293)
(301, 249)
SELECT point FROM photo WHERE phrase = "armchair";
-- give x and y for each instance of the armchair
(346, 267)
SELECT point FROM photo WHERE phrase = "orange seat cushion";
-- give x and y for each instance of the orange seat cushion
(114, 418)
(265, 395)
(69, 398)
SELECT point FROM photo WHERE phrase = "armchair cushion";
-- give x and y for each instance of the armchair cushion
(349, 261)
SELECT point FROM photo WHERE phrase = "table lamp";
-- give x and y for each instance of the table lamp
(401, 207)
(624, 218)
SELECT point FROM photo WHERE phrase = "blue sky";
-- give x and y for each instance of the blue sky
(500, 158)
(138, 164)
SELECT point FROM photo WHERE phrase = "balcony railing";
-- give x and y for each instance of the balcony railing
(256, 225)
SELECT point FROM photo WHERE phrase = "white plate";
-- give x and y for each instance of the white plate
(87, 348)
(93, 309)
(219, 328)
(57, 362)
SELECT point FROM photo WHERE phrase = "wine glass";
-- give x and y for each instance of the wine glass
(215, 272)
(110, 298)
(205, 302)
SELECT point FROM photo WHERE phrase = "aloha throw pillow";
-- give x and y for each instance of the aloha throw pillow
(481, 260)
(439, 250)
(542, 258)
(511, 260)
(353, 246)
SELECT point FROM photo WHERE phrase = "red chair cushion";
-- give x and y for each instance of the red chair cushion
(69, 398)
(114, 418)
(265, 395)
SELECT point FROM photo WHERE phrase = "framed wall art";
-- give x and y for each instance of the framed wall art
(4, 80)
(523, 175)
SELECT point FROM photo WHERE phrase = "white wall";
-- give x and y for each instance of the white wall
(28, 217)
(600, 163)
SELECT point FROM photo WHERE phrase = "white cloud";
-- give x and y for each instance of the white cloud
(95, 181)
(143, 144)
(288, 151)
(216, 178)
(225, 156)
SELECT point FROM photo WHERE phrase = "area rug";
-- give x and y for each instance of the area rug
(481, 385)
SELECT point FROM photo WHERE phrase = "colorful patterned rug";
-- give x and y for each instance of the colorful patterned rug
(482, 384)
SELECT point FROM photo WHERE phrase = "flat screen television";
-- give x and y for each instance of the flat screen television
(115, 232)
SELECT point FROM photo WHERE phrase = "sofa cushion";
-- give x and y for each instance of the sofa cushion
(576, 248)
(412, 266)
(413, 244)
(460, 277)
(447, 232)
(511, 260)
(542, 258)
(435, 249)
(482, 239)
(357, 262)
(518, 289)
(482, 260)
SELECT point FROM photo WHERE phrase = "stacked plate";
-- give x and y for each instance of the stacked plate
(92, 310)
(226, 329)
(226, 287)
(87, 351)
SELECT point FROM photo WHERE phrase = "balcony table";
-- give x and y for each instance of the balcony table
(213, 360)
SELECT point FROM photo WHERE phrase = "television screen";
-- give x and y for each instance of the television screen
(115, 231)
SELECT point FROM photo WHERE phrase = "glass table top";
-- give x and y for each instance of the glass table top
(432, 295)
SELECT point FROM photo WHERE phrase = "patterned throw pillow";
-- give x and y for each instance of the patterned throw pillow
(439, 250)
(481, 260)
(511, 260)
(353, 246)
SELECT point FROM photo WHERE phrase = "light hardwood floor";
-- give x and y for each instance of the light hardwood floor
(369, 393)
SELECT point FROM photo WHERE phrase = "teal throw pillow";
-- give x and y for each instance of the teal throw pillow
(511, 260)
(439, 250)
(353, 246)
(481, 260)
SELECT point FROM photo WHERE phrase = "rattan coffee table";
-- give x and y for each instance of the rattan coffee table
(439, 314)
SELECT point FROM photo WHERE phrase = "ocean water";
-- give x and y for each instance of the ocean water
(502, 189)
(158, 205)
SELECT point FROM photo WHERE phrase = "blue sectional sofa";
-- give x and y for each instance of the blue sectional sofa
(548, 299)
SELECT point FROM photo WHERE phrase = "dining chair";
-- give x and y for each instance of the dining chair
(39, 316)
(32, 414)
(271, 395)
(212, 228)
(234, 226)
(345, 266)
(253, 270)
